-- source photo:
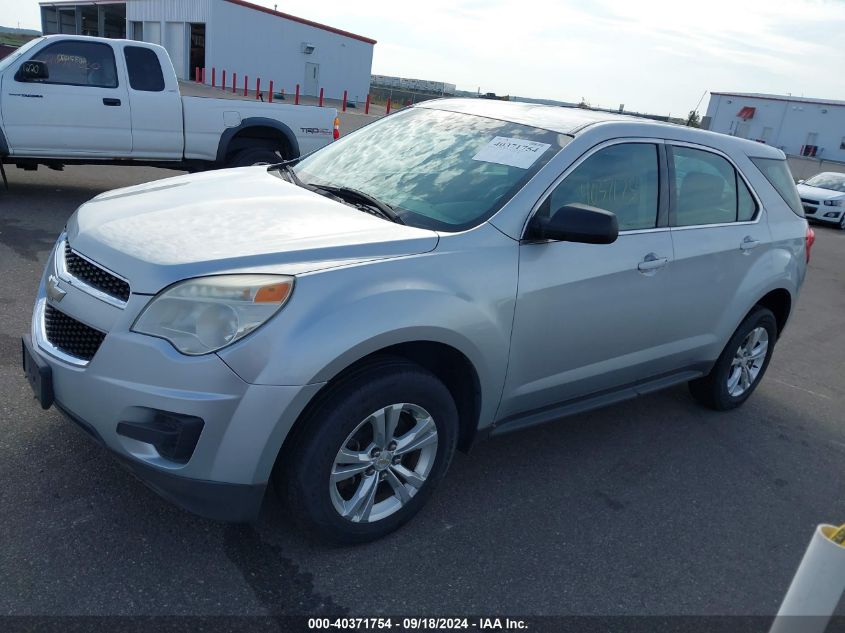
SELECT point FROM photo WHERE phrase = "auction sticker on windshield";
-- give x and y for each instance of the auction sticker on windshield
(511, 151)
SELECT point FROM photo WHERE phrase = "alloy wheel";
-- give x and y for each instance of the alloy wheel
(748, 361)
(383, 463)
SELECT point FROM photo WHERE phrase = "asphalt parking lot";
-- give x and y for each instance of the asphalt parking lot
(655, 506)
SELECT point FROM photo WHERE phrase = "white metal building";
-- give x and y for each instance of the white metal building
(797, 125)
(232, 35)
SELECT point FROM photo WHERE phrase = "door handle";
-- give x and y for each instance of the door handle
(652, 262)
(748, 243)
(111, 102)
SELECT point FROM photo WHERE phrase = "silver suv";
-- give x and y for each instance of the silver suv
(460, 269)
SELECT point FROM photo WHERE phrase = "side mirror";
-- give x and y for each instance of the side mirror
(576, 223)
(33, 70)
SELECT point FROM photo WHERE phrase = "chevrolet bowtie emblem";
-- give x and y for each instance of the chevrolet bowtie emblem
(55, 293)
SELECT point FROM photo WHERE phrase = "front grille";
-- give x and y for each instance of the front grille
(810, 210)
(95, 276)
(71, 336)
(808, 201)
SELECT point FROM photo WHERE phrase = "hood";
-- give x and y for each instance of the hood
(817, 193)
(234, 220)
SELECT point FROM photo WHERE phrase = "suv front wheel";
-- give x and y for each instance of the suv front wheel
(370, 453)
(741, 365)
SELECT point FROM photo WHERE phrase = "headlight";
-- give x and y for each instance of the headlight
(202, 315)
(833, 203)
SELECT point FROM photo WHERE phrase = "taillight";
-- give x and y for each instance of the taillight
(809, 240)
(336, 133)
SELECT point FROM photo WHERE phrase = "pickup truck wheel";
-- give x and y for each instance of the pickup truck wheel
(741, 365)
(370, 453)
(258, 156)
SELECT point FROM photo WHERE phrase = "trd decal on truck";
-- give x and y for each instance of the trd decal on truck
(315, 130)
(23, 94)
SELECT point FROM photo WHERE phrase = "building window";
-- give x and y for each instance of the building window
(137, 31)
(842, 144)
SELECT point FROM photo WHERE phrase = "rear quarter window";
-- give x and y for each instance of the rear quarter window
(144, 69)
(777, 172)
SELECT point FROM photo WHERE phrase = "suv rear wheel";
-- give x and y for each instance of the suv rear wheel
(741, 365)
(370, 453)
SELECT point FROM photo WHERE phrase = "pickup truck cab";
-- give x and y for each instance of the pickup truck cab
(71, 99)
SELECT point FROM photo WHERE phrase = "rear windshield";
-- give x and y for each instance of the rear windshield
(777, 172)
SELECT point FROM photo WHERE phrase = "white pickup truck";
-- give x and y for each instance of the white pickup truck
(72, 99)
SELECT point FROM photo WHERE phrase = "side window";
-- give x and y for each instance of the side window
(144, 69)
(77, 63)
(708, 189)
(747, 208)
(621, 178)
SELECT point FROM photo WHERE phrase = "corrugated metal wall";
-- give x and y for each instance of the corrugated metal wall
(168, 10)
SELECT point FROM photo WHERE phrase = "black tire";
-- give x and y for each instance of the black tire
(255, 156)
(302, 478)
(842, 222)
(712, 390)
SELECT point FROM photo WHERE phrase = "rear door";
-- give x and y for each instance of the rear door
(721, 240)
(81, 109)
(156, 104)
(591, 317)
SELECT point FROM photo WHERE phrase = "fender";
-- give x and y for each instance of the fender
(230, 133)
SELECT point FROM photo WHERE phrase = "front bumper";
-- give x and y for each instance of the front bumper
(132, 378)
(215, 500)
(817, 212)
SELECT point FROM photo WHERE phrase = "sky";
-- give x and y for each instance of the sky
(653, 56)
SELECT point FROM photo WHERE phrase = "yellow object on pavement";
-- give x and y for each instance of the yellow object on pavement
(838, 535)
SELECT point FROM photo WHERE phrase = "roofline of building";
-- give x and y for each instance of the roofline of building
(242, 3)
(293, 18)
(747, 95)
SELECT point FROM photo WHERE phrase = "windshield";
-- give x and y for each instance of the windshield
(834, 182)
(439, 170)
(8, 60)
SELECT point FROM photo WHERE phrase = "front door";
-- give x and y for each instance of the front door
(590, 317)
(81, 109)
(312, 79)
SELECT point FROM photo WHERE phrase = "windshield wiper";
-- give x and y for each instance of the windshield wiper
(286, 167)
(352, 195)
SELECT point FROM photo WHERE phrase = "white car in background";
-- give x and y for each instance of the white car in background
(823, 197)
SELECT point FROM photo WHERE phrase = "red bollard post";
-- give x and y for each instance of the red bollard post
(246, 89)
(234, 82)
(388, 106)
(223, 81)
(283, 94)
(258, 88)
(203, 74)
(344, 100)
(367, 105)
(296, 101)
(213, 77)
(271, 92)
(321, 97)
(197, 74)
